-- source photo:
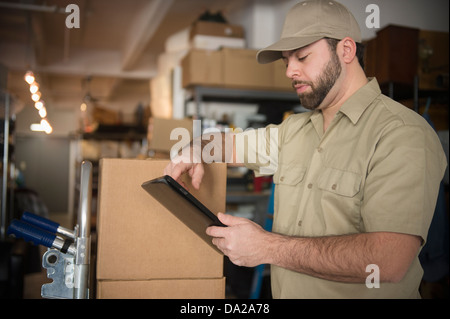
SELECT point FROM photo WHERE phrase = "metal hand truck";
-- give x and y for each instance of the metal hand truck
(67, 258)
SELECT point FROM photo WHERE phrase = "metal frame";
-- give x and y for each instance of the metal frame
(202, 93)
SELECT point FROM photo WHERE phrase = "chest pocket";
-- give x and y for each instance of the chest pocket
(289, 175)
(340, 182)
(288, 179)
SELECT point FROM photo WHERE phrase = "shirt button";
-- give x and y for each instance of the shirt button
(309, 185)
(333, 187)
(299, 223)
(281, 178)
(319, 149)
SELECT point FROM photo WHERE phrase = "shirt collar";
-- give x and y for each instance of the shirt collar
(355, 106)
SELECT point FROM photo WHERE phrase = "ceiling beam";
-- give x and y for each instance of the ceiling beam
(143, 31)
(83, 62)
(38, 38)
(31, 7)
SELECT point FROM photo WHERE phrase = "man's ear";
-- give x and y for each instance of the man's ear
(347, 48)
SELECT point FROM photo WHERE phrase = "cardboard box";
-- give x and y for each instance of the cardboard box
(216, 29)
(240, 69)
(163, 289)
(138, 239)
(161, 95)
(279, 80)
(202, 67)
(210, 42)
(159, 130)
(105, 116)
(233, 68)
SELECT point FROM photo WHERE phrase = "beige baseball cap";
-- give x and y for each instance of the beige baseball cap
(308, 22)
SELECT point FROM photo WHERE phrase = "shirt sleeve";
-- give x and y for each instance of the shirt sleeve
(402, 182)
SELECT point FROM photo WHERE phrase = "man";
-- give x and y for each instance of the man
(356, 178)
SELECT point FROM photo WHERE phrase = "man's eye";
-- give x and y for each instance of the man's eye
(303, 58)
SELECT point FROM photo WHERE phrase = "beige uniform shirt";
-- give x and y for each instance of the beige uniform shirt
(376, 168)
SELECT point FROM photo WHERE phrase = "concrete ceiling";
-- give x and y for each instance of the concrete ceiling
(111, 56)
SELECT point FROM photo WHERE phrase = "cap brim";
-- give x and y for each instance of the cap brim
(273, 52)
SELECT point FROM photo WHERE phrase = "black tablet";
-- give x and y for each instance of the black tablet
(183, 205)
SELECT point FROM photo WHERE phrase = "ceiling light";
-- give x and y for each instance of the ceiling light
(46, 126)
(36, 127)
(43, 112)
(29, 77)
(38, 105)
(34, 87)
(36, 96)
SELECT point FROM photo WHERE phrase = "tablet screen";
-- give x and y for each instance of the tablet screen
(183, 205)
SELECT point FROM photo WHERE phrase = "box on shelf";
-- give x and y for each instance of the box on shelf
(160, 129)
(216, 29)
(139, 240)
(202, 67)
(234, 68)
(103, 115)
(280, 80)
(210, 42)
(240, 69)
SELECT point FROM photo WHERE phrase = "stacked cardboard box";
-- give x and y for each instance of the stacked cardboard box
(202, 67)
(160, 130)
(213, 35)
(143, 250)
(211, 28)
(233, 68)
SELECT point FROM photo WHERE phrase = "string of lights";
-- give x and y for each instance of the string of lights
(39, 104)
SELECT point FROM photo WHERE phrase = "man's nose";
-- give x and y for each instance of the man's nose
(293, 69)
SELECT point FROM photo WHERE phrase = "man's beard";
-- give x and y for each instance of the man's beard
(322, 86)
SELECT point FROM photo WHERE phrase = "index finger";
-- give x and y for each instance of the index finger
(175, 170)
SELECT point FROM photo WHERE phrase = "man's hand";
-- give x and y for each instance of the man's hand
(195, 171)
(243, 241)
(188, 160)
(220, 148)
